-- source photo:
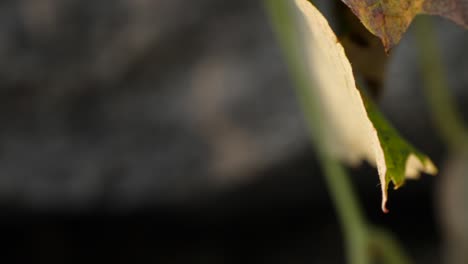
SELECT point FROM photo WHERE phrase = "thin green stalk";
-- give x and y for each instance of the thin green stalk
(386, 247)
(446, 118)
(354, 227)
(348, 210)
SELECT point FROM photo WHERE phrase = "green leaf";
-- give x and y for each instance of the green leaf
(402, 160)
(354, 129)
(389, 19)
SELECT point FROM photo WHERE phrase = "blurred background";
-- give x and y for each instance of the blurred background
(168, 131)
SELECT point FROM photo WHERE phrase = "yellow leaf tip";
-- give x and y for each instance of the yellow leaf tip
(429, 167)
(397, 186)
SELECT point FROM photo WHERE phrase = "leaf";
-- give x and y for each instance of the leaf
(402, 160)
(355, 130)
(389, 19)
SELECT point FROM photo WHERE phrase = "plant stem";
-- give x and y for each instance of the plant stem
(386, 247)
(354, 227)
(446, 118)
(448, 122)
(352, 222)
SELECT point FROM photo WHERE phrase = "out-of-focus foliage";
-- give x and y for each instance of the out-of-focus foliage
(453, 194)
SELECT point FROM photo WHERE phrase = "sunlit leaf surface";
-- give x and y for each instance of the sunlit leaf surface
(355, 130)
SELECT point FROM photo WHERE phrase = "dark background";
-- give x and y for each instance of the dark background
(168, 132)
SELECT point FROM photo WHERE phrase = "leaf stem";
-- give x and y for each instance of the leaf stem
(444, 113)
